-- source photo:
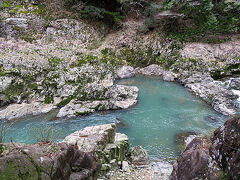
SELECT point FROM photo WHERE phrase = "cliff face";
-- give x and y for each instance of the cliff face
(215, 158)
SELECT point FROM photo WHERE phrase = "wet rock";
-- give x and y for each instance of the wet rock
(235, 84)
(182, 139)
(225, 148)
(138, 156)
(125, 72)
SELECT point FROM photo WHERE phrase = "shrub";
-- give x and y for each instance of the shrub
(45, 132)
(4, 126)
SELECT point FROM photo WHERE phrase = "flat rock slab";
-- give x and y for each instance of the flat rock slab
(92, 138)
(14, 111)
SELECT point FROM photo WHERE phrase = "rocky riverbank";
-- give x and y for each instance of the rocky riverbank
(214, 157)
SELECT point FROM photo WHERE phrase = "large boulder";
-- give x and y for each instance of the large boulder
(213, 159)
(235, 84)
(138, 156)
(194, 162)
(110, 147)
(125, 72)
(47, 162)
(225, 149)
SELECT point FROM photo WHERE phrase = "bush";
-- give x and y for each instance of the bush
(45, 132)
(4, 126)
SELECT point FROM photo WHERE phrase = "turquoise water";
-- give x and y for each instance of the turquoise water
(163, 110)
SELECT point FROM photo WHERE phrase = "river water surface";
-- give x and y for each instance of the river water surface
(164, 109)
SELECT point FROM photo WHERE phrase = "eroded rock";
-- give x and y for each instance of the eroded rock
(110, 147)
(138, 156)
(48, 161)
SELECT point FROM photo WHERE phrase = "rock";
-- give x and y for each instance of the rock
(138, 156)
(11, 27)
(206, 51)
(125, 166)
(56, 161)
(125, 72)
(182, 139)
(169, 76)
(225, 148)
(152, 70)
(215, 159)
(235, 84)
(5, 82)
(120, 123)
(221, 99)
(156, 70)
(161, 170)
(115, 97)
(168, 15)
(15, 111)
(109, 146)
(62, 29)
(194, 162)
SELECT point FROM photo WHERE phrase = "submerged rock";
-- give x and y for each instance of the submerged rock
(138, 156)
(120, 123)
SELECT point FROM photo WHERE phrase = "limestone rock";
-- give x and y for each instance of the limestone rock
(15, 111)
(211, 51)
(125, 72)
(221, 99)
(138, 156)
(109, 146)
(235, 84)
(156, 70)
(5, 82)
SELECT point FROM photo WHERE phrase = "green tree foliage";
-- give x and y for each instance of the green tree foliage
(110, 11)
(209, 15)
